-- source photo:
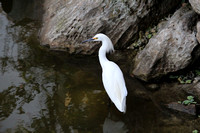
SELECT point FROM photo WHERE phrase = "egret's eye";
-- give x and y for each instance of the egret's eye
(95, 38)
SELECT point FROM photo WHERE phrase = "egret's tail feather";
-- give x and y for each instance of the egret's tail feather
(121, 106)
(124, 105)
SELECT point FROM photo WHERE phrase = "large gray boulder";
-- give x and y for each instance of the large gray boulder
(195, 5)
(67, 23)
(171, 49)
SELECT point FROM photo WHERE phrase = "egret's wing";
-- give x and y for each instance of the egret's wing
(120, 91)
(114, 84)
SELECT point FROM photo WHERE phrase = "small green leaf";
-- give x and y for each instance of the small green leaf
(190, 100)
(149, 36)
(179, 102)
(189, 81)
(195, 131)
(190, 97)
(186, 102)
(182, 82)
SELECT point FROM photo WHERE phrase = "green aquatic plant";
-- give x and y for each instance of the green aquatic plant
(188, 101)
(150, 32)
(195, 131)
(149, 36)
(187, 77)
(144, 37)
(182, 79)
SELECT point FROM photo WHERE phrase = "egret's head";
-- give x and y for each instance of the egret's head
(97, 37)
(106, 41)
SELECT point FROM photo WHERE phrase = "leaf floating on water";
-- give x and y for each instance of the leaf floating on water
(67, 99)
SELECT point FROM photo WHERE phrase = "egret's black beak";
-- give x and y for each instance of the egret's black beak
(89, 40)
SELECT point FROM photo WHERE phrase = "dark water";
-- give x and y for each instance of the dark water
(48, 91)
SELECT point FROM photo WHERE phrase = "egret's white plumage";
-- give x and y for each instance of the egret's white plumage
(112, 76)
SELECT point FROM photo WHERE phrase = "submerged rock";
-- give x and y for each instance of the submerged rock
(189, 109)
(67, 23)
(110, 126)
(195, 5)
(171, 49)
(193, 89)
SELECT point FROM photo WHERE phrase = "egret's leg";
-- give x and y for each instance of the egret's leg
(109, 103)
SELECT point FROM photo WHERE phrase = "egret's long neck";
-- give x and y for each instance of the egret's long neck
(102, 54)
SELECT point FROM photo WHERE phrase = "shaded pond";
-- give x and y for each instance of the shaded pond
(48, 91)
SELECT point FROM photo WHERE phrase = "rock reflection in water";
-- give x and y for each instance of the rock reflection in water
(111, 126)
(42, 91)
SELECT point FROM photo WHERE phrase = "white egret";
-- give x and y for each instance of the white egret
(112, 76)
